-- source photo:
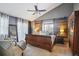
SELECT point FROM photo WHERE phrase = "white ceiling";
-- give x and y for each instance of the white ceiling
(20, 9)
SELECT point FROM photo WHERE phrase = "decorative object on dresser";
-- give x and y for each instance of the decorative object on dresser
(73, 28)
(40, 41)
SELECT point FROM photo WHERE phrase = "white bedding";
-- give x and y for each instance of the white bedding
(52, 38)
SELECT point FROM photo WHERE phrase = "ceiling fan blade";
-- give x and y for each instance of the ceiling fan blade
(41, 10)
(33, 13)
(31, 10)
(36, 8)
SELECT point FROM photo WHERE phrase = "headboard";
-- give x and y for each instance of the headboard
(40, 41)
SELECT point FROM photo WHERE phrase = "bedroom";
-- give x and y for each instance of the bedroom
(37, 29)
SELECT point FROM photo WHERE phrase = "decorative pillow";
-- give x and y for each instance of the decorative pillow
(22, 44)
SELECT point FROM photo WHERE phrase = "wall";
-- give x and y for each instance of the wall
(76, 6)
(59, 12)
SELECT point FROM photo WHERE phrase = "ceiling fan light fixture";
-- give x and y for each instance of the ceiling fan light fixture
(36, 11)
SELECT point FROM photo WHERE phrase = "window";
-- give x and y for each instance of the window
(48, 27)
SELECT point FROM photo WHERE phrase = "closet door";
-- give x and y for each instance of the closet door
(76, 33)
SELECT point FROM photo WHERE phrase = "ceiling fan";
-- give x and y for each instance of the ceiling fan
(36, 11)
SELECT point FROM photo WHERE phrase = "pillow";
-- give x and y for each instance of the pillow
(22, 44)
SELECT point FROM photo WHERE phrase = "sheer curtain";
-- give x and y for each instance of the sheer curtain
(22, 28)
(4, 23)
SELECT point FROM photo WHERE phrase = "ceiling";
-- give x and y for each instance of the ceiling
(20, 9)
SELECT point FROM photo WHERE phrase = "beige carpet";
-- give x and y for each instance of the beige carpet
(61, 50)
(58, 50)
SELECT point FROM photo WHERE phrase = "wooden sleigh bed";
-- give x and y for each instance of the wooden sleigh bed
(40, 41)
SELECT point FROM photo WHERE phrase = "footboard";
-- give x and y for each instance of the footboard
(40, 41)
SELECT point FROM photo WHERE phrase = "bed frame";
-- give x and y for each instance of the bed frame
(39, 41)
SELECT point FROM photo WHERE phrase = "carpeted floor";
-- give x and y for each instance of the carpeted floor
(58, 50)
(61, 50)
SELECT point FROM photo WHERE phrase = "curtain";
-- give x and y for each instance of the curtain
(22, 28)
(4, 23)
(0, 23)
